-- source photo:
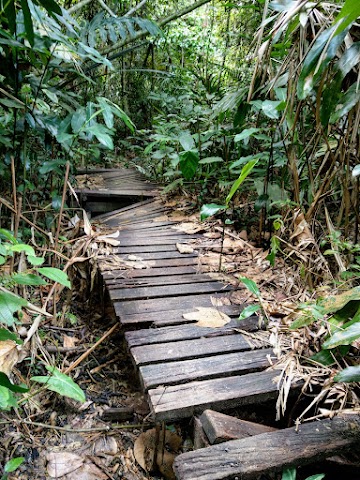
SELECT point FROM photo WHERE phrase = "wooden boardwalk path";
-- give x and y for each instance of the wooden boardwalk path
(185, 369)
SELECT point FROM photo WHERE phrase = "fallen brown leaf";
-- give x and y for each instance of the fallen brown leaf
(9, 355)
(208, 317)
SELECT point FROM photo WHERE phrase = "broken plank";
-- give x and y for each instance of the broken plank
(166, 290)
(219, 427)
(183, 401)
(251, 457)
(186, 349)
(172, 303)
(176, 373)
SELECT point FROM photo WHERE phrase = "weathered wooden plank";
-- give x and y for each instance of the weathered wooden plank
(112, 276)
(159, 281)
(176, 373)
(251, 457)
(167, 262)
(172, 303)
(167, 290)
(222, 428)
(181, 332)
(187, 349)
(146, 226)
(160, 255)
(134, 206)
(129, 240)
(183, 401)
(118, 193)
(137, 250)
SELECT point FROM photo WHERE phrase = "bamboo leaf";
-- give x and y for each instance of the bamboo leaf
(248, 311)
(251, 286)
(245, 172)
(348, 375)
(343, 337)
(60, 383)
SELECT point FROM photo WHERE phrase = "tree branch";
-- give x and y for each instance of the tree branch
(137, 7)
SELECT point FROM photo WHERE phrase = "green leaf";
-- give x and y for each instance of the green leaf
(9, 304)
(7, 399)
(245, 172)
(13, 464)
(28, 279)
(56, 275)
(7, 235)
(333, 303)
(348, 375)
(324, 357)
(343, 337)
(210, 209)
(29, 28)
(106, 111)
(289, 474)
(50, 6)
(318, 476)
(348, 14)
(308, 315)
(36, 261)
(251, 286)
(5, 382)
(22, 247)
(102, 134)
(6, 335)
(248, 311)
(187, 141)
(208, 160)
(248, 132)
(346, 102)
(188, 163)
(78, 120)
(60, 383)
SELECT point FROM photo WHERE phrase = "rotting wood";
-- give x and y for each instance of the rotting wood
(172, 303)
(167, 290)
(119, 414)
(200, 439)
(181, 332)
(251, 457)
(183, 401)
(176, 373)
(219, 427)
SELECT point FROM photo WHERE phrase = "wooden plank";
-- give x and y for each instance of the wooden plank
(176, 373)
(249, 458)
(161, 255)
(180, 332)
(106, 264)
(183, 401)
(159, 281)
(113, 275)
(147, 249)
(118, 193)
(124, 209)
(187, 349)
(220, 428)
(129, 240)
(172, 303)
(166, 290)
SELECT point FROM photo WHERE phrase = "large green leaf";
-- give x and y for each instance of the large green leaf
(348, 14)
(187, 141)
(188, 163)
(210, 209)
(343, 337)
(7, 399)
(334, 303)
(9, 304)
(346, 102)
(29, 28)
(248, 132)
(6, 335)
(60, 383)
(56, 275)
(248, 311)
(102, 134)
(27, 279)
(349, 374)
(245, 172)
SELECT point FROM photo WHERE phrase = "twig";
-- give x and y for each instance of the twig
(108, 9)
(134, 9)
(107, 428)
(87, 353)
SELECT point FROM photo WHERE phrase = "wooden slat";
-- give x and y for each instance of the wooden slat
(118, 193)
(179, 332)
(250, 458)
(112, 275)
(106, 216)
(160, 255)
(187, 349)
(183, 401)
(159, 305)
(166, 290)
(167, 262)
(129, 240)
(176, 373)
(159, 281)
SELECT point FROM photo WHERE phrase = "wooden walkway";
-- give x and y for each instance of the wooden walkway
(186, 369)
(183, 368)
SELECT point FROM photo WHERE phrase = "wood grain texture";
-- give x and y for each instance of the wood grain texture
(176, 373)
(112, 276)
(185, 349)
(166, 291)
(219, 427)
(165, 280)
(183, 401)
(251, 457)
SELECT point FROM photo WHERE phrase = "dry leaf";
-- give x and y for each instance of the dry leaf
(145, 451)
(9, 355)
(69, 342)
(89, 471)
(106, 446)
(62, 463)
(220, 301)
(183, 248)
(208, 317)
(189, 227)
